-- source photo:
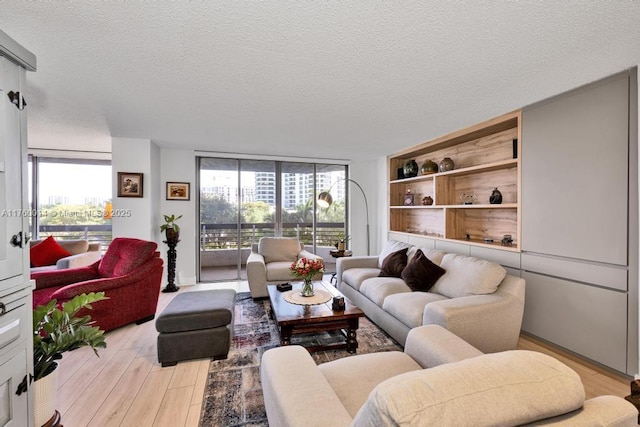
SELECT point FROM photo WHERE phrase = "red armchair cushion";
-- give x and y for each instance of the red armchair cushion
(47, 252)
(125, 255)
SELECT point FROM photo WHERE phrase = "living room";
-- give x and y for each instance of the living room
(154, 87)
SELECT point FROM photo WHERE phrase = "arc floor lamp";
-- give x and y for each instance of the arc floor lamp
(325, 200)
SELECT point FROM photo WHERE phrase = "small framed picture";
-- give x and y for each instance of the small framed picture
(177, 191)
(129, 184)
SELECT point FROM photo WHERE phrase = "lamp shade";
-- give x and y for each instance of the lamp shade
(324, 199)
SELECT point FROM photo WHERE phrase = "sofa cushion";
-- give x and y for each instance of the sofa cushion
(355, 276)
(75, 247)
(467, 275)
(125, 255)
(408, 307)
(390, 246)
(508, 388)
(352, 379)
(421, 273)
(47, 252)
(394, 263)
(279, 249)
(278, 271)
(433, 254)
(378, 288)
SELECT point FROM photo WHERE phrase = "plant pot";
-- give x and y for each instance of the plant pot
(44, 398)
(172, 235)
(341, 246)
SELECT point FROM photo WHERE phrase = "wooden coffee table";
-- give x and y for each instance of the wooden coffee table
(303, 319)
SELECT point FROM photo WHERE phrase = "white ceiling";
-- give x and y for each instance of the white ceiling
(330, 79)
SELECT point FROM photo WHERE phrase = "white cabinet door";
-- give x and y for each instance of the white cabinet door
(575, 173)
(13, 406)
(11, 152)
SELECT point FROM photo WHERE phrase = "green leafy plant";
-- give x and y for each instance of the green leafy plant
(170, 222)
(57, 330)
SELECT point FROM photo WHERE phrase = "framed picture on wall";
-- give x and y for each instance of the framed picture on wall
(177, 191)
(129, 184)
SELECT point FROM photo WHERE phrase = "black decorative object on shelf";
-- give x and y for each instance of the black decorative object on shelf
(427, 201)
(507, 240)
(401, 173)
(496, 197)
(515, 148)
(410, 169)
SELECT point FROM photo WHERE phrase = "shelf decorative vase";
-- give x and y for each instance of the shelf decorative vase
(410, 169)
(446, 164)
(307, 288)
(496, 197)
(467, 199)
(428, 167)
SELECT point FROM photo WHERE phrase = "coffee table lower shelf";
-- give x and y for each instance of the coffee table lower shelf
(347, 328)
(292, 319)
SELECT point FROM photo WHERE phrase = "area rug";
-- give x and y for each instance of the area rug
(233, 395)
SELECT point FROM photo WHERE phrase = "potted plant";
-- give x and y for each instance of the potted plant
(171, 229)
(342, 242)
(55, 331)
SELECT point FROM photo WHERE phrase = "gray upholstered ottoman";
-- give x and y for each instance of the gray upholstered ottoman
(196, 325)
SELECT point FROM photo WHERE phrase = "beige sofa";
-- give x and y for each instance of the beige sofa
(438, 380)
(269, 262)
(475, 299)
(82, 253)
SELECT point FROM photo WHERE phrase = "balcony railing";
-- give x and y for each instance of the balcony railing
(226, 236)
(93, 233)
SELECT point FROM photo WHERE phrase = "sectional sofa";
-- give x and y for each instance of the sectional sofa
(475, 299)
(438, 380)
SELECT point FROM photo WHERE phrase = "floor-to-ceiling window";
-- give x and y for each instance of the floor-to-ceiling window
(70, 198)
(242, 200)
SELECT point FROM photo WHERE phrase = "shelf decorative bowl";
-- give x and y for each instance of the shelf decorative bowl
(467, 199)
(410, 169)
(446, 164)
(429, 167)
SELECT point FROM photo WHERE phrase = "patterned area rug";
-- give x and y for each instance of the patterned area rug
(233, 396)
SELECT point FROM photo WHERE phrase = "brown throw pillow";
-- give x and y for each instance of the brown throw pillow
(394, 263)
(421, 273)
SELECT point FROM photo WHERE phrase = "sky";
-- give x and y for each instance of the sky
(74, 181)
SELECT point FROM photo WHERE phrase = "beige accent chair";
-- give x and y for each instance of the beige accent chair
(439, 380)
(270, 260)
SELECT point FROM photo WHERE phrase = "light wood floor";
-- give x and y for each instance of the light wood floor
(126, 386)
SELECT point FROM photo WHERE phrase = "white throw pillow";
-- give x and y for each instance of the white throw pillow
(390, 247)
(467, 275)
(434, 255)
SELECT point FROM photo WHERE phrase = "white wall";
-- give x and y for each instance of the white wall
(371, 178)
(180, 166)
(138, 219)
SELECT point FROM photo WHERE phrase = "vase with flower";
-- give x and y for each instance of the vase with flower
(306, 269)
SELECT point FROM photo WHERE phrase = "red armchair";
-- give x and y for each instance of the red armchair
(129, 274)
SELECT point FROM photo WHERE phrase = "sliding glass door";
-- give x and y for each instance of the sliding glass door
(243, 200)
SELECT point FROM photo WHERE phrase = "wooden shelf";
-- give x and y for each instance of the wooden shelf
(479, 206)
(485, 157)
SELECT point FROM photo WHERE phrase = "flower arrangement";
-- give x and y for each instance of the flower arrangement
(306, 268)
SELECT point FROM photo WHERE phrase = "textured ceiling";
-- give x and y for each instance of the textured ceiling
(330, 79)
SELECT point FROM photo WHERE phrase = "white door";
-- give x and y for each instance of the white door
(11, 213)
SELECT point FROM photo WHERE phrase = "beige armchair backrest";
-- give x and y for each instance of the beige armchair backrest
(275, 249)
